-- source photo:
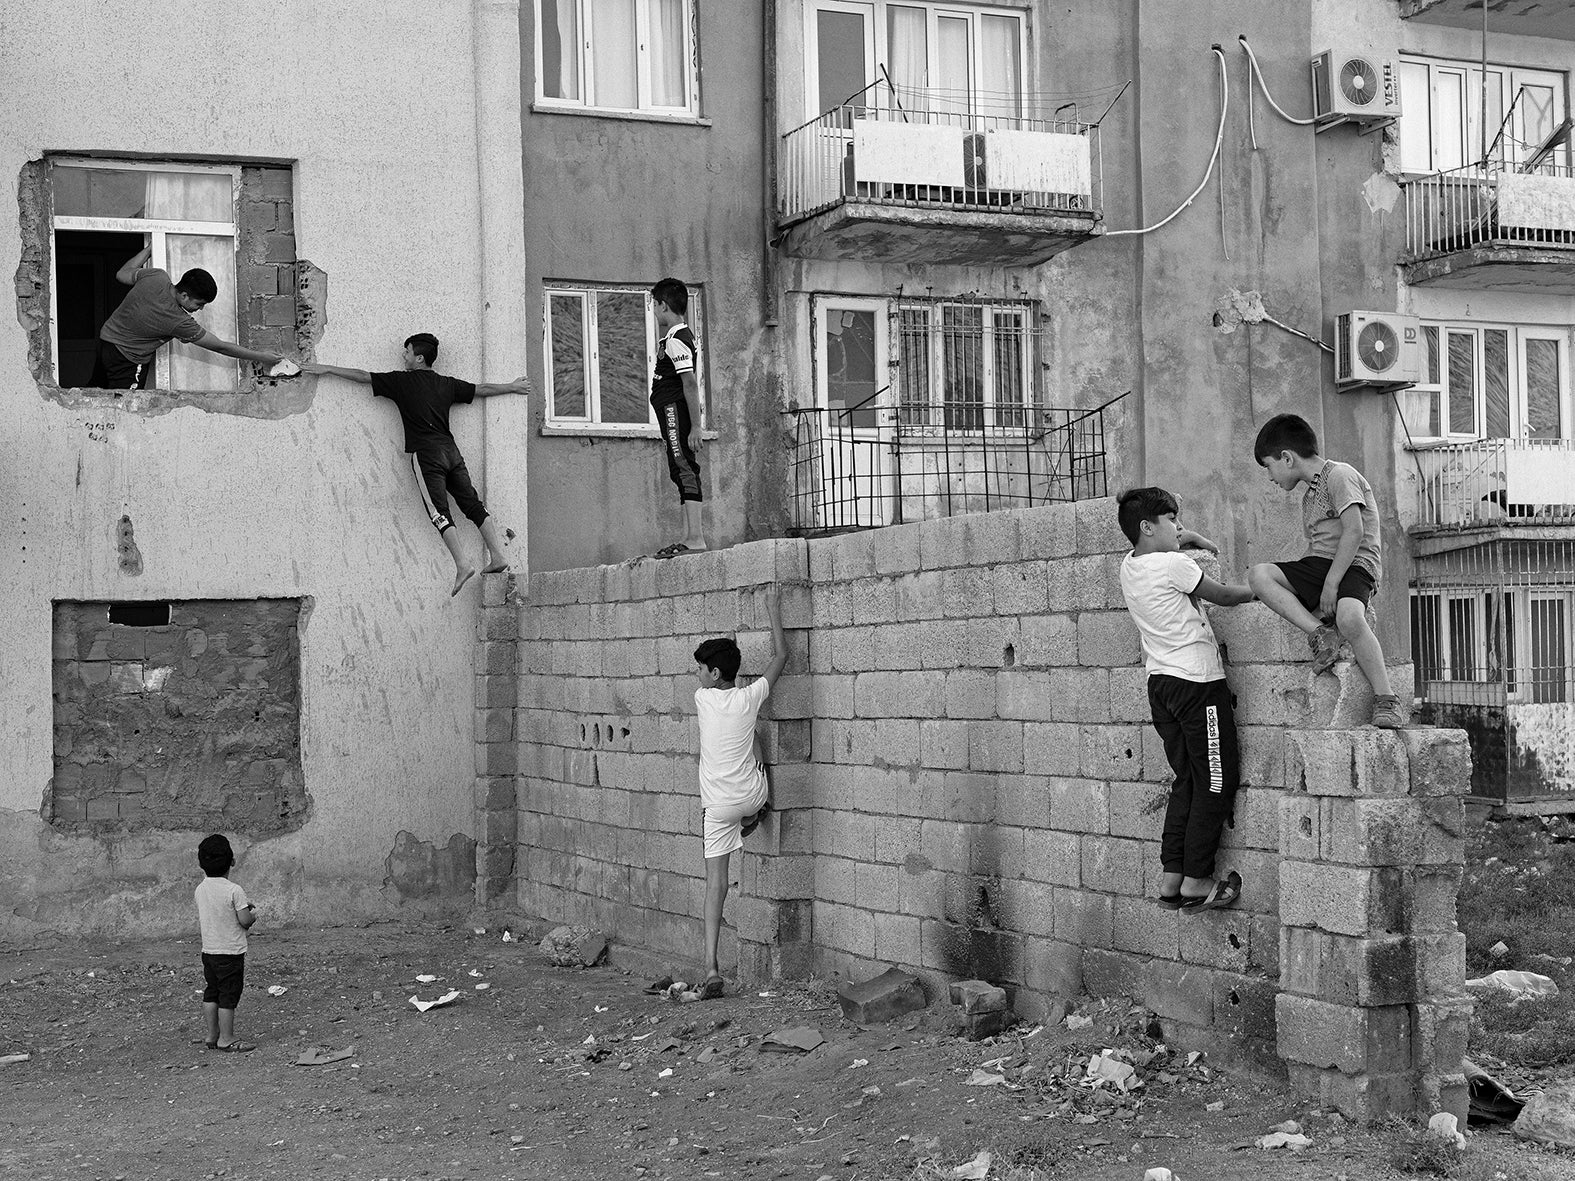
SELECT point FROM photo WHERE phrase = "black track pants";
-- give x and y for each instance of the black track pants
(1198, 727)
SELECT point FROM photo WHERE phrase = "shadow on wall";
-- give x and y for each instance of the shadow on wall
(422, 871)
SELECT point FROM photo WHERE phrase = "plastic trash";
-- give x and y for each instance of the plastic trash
(1295, 1141)
(983, 1078)
(799, 1039)
(976, 1169)
(278, 989)
(1520, 985)
(284, 368)
(425, 979)
(447, 998)
(321, 1055)
(1445, 1126)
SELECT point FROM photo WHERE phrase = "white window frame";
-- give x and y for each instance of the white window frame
(590, 422)
(157, 228)
(645, 106)
(1423, 118)
(936, 333)
(1528, 676)
(877, 49)
(1519, 334)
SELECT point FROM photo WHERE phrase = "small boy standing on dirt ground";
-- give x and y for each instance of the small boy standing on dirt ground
(734, 790)
(1326, 593)
(1190, 702)
(224, 915)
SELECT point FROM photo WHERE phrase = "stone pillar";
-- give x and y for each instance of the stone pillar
(497, 752)
(1373, 1014)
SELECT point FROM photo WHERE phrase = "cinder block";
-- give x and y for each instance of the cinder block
(1023, 694)
(943, 744)
(842, 557)
(1364, 762)
(978, 996)
(1137, 810)
(992, 746)
(1020, 801)
(918, 594)
(497, 758)
(832, 696)
(1301, 826)
(943, 644)
(1053, 967)
(1359, 1097)
(1112, 973)
(1079, 805)
(1112, 752)
(1137, 925)
(1053, 857)
(1129, 697)
(1343, 900)
(877, 887)
(1052, 748)
(1257, 819)
(1440, 761)
(1047, 641)
(1181, 992)
(1115, 866)
(1349, 1038)
(1019, 588)
(966, 593)
(1218, 939)
(1380, 971)
(970, 694)
(1084, 918)
(1080, 694)
(1244, 1007)
(1049, 531)
(1097, 529)
(895, 549)
(1445, 1092)
(1107, 638)
(1393, 831)
(898, 939)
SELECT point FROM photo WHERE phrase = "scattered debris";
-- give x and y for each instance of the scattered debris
(800, 1039)
(1499, 950)
(985, 1012)
(1295, 1141)
(573, 947)
(1113, 1067)
(508, 936)
(1563, 961)
(1549, 1118)
(976, 1169)
(658, 987)
(474, 972)
(858, 1062)
(882, 998)
(447, 998)
(984, 1078)
(479, 930)
(483, 986)
(9, 1059)
(667, 1072)
(1491, 1102)
(1077, 1021)
(1520, 985)
(1159, 1174)
(1446, 1127)
(1217, 1105)
(278, 989)
(425, 978)
(322, 1054)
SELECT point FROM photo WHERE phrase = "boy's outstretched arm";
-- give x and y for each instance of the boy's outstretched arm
(1223, 594)
(779, 648)
(360, 375)
(128, 270)
(520, 385)
(227, 348)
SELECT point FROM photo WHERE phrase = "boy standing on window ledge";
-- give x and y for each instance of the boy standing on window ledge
(675, 396)
(423, 399)
(155, 312)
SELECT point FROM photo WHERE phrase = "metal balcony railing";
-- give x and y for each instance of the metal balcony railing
(1496, 482)
(884, 153)
(1493, 206)
(867, 466)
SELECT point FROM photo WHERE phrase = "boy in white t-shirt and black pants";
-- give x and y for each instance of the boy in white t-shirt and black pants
(1187, 693)
(734, 791)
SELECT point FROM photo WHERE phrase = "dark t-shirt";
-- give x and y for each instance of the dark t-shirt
(675, 356)
(423, 398)
(148, 318)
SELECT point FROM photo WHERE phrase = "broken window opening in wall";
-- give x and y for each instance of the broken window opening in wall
(82, 219)
(192, 723)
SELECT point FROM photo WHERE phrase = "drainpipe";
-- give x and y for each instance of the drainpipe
(500, 182)
(769, 137)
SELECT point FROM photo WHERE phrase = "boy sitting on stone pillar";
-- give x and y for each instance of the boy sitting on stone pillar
(1187, 694)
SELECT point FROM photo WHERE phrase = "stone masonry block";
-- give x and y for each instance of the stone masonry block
(1080, 694)
(972, 539)
(1218, 939)
(1244, 1007)
(1053, 857)
(1053, 967)
(1047, 641)
(1363, 762)
(1301, 826)
(1387, 970)
(1097, 530)
(1440, 761)
(1253, 634)
(1079, 805)
(1262, 755)
(1112, 973)
(970, 694)
(898, 938)
(1343, 900)
(1052, 748)
(1024, 694)
(1019, 588)
(978, 996)
(1083, 918)
(1440, 1032)
(1360, 1097)
(1112, 752)
(1047, 532)
(497, 758)
(1393, 831)
(1181, 992)
(1115, 866)
(1137, 925)
(993, 746)
(1349, 1038)
(1107, 638)
(1434, 890)
(1444, 1092)
(756, 563)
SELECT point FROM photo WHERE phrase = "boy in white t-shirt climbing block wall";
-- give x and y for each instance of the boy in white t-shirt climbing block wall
(1187, 694)
(734, 791)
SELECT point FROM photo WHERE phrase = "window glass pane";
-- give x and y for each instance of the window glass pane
(560, 48)
(840, 49)
(1430, 336)
(1549, 646)
(908, 55)
(1475, 143)
(1463, 641)
(913, 365)
(1536, 117)
(962, 350)
(174, 196)
(850, 366)
(1000, 71)
(954, 66)
(192, 368)
(1449, 120)
(568, 356)
(613, 53)
(1543, 418)
(1495, 382)
(1462, 383)
(668, 85)
(623, 357)
(1425, 638)
(1416, 149)
(1009, 344)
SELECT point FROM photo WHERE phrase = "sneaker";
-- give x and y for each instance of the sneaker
(1325, 644)
(1386, 713)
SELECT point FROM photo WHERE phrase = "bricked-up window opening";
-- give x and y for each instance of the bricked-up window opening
(189, 725)
(601, 349)
(140, 614)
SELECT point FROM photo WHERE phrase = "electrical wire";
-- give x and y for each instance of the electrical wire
(1263, 86)
(1219, 140)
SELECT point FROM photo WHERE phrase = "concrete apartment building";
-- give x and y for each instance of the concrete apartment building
(904, 224)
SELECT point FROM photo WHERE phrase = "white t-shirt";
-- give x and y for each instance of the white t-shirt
(1177, 638)
(729, 772)
(219, 904)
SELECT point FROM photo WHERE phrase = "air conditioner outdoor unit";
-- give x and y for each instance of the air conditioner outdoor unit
(1376, 350)
(1353, 88)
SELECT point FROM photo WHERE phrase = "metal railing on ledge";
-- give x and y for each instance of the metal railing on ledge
(890, 155)
(869, 465)
(1496, 482)
(1475, 206)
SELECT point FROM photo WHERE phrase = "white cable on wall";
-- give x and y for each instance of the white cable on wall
(1258, 74)
(1219, 139)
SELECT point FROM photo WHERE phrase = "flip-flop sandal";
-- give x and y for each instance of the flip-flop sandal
(672, 551)
(765, 810)
(235, 1048)
(711, 990)
(1224, 893)
(657, 987)
(1170, 901)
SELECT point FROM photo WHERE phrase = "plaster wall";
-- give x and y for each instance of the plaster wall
(382, 131)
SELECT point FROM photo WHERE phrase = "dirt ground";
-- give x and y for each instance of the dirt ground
(505, 1083)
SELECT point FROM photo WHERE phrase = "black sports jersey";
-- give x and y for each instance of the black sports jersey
(423, 398)
(675, 356)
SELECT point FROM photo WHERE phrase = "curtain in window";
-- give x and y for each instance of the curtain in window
(613, 53)
(623, 352)
(190, 196)
(1543, 420)
(569, 360)
(560, 48)
(954, 66)
(907, 47)
(192, 368)
(668, 88)
(1000, 85)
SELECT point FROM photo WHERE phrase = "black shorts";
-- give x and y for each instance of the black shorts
(113, 370)
(1306, 577)
(682, 465)
(225, 975)
(440, 471)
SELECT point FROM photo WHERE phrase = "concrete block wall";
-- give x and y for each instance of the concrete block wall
(966, 777)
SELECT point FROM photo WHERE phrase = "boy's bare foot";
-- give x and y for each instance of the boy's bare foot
(461, 577)
(497, 567)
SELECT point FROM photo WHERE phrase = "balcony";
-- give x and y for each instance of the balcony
(922, 186)
(1495, 486)
(1492, 229)
(1529, 18)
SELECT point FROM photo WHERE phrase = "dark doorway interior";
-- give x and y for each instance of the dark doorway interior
(86, 292)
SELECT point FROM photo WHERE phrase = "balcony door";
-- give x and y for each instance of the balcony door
(853, 394)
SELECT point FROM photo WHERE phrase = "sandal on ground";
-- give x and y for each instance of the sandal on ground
(658, 987)
(754, 822)
(672, 551)
(1170, 901)
(1224, 892)
(711, 989)
(235, 1048)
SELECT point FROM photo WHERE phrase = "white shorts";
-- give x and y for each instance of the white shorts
(724, 823)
